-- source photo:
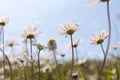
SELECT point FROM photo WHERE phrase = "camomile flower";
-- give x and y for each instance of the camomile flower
(62, 53)
(99, 37)
(75, 43)
(69, 28)
(115, 46)
(52, 45)
(3, 21)
(40, 46)
(22, 58)
(82, 61)
(30, 32)
(46, 68)
(46, 59)
(11, 43)
(75, 75)
(95, 2)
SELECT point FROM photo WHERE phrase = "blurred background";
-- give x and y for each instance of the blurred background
(50, 14)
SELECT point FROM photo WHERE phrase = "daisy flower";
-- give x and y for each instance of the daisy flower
(52, 44)
(46, 59)
(95, 2)
(3, 21)
(75, 75)
(46, 68)
(69, 28)
(62, 53)
(30, 32)
(99, 37)
(75, 43)
(40, 47)
(22, 58)
(11, 43)
(115, 46)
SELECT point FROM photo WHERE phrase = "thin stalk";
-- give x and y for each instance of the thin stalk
(24, 71)
(103, 64)
(76, 54)
(109, 38)
(31, 60)
(16, 71)
(72, 66)
(102, 49)
(57, 65)
(39, 62)
(26, 47)
(3, 50)
(109, 23)
(11, 77)
(63, 60)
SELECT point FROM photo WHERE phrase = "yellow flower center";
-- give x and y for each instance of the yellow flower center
(51, 41)
(46, 59)
(105, 0)
(11, 45)
(52, 44)
(70, 31)
(40, 47)
(30, 36)
(99, 41)
(2, 23)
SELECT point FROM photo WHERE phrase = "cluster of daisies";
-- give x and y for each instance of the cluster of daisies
(30, 35)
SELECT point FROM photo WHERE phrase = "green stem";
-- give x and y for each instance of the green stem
(39, 63)
(103, 64)
(76, 54)
(11, 77)
(109, 23)
(57, 65)
(109, 38)
(72, 66)
(32, 75)
(3, 50)
(24, 71)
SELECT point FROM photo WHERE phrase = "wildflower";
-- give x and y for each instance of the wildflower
(75, 43)
(22, 58)
(46, 59)
(40, 47)
(94, 2)
(69, 28)
(30, 32)
(99, 37)
(83, 61)
(62, 54)
(75, 75)
(52, 44)
(11, 43)
(46, 68)
(115, 46)
(3, 21)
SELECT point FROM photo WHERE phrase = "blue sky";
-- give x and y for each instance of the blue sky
(51, 13)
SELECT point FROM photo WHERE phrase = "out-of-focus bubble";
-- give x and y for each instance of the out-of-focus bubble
(95, 25)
